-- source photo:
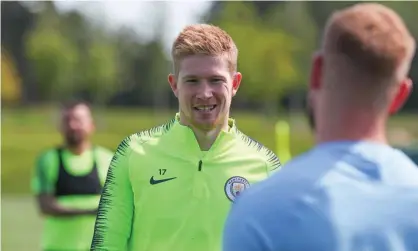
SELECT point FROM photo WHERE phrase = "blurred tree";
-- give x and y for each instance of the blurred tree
(10, 80)
(16, 21)
(54, 57)
(266, 54)
(260, 7)
(100, 70)
(160, 65)
(132, 68)
(77, 28)
(294, 18)
(143, 66)
(129, 49)
(72, 57)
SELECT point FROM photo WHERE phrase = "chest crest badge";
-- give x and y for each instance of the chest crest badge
(234, 186)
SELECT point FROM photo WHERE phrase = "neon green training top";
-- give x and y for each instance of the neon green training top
(163, 193)
(69, 232)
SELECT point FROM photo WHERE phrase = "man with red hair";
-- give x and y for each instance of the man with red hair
(352, 191)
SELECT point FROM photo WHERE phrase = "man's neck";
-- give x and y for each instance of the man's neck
(359, 126)
(206, 138)
(80, 148)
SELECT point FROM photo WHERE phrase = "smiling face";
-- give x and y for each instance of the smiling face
(204, 87)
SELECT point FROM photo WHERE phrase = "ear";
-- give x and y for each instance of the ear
(236, 82)
(172, 80)
(404, 90)
(315, 80)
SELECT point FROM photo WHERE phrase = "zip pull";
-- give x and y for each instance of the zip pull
(200, 166)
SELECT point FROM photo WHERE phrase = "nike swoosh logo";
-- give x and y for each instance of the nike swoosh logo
(155, 182)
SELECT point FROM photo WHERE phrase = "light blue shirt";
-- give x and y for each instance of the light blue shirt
(340, 196)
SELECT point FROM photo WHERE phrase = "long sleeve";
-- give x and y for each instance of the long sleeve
(116, 209)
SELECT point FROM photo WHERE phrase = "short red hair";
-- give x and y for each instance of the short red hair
(204, 39)
(372, 40)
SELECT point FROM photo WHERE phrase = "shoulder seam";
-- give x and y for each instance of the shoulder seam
(271, 157)
(154, 131)
(145, 135)
(124, 148)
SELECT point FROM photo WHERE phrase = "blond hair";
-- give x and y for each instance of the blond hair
(368, 41)
(204, 39)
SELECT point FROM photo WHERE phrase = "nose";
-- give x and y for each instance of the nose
(205, 91)
(73, 125)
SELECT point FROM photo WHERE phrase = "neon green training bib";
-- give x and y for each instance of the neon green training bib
(69, 232)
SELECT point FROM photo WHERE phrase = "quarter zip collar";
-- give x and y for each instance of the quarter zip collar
(186, 140)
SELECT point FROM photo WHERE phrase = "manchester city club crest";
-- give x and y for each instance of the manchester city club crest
(234, 186)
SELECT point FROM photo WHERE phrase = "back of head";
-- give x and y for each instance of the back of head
(367, 49)
(204, 39)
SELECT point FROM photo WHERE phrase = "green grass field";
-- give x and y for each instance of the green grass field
(25, 133)
(21, 225)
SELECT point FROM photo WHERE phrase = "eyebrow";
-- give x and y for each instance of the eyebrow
(212, 76)
(189, 76)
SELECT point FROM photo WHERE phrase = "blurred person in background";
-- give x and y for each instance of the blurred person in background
(68, 181)
(352, 191)
(170, 187)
